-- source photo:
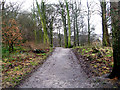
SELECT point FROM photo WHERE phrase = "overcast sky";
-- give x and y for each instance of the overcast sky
(96, 19)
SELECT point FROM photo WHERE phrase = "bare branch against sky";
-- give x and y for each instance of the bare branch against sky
(28, 4)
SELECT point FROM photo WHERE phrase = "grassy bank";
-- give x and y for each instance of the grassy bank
(99, 58)
(17, 65)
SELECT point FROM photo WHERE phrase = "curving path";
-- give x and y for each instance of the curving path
(61, 70)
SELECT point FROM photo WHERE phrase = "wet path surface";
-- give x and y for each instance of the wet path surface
(61, 70)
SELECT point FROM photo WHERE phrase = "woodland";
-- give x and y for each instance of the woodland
(28, 38)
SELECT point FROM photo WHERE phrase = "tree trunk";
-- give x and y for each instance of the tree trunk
(105, 41)
(59, 36)
(74, 33)
(51, 33)
(115, 16)
(69, 27)
(43, 21)
(64, 26)
(88, 23)
(40, 36)
(65, 33)
(35, 36)
(40, 30)
(77, 30)
(11, 47)
(34, 19)
(74, 24)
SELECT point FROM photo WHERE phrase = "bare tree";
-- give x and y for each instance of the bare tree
(69, 25)
(63, 15)
(90, 11)
(106, 41)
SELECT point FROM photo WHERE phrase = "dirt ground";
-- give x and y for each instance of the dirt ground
(63, 70)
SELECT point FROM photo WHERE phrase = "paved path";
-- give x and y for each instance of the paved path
(61, 70)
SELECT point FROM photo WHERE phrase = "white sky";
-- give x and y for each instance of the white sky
(96, 19)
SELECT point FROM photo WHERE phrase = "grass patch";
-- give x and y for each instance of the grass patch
(17, 65)
(101, 58)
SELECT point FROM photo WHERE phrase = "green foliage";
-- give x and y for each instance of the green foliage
(93, 54)
(101, 62)
(17, 65)
(43, 54)
(33, 63)
(88, 55)
(16, 68)
(19, 48)
(109, 55)
(5, 52)
(86, 51)
(83, 49)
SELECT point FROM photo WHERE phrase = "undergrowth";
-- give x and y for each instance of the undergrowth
(19, 63)
(101, 58)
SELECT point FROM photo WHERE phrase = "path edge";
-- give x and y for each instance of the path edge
(34, 70)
